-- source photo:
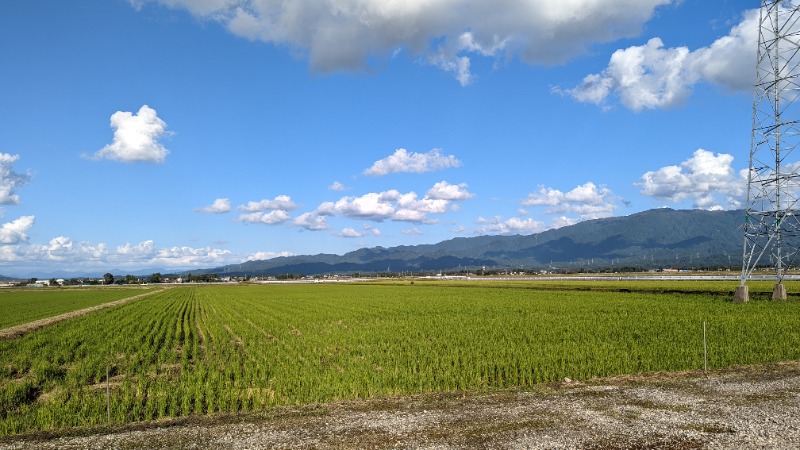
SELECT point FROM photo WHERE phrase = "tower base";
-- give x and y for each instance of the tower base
(779, 292)
(742, 294)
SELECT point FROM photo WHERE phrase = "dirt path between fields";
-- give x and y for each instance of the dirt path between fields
(25, 328)
(754, 407)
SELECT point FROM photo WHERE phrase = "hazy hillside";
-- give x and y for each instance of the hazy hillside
(651, 239)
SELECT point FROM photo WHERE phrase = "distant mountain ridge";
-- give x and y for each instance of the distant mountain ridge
(656, 238)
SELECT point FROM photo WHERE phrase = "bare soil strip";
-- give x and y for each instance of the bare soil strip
(18, 331)
(753, 407)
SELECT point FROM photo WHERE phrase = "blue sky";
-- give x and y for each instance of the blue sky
(175, 134)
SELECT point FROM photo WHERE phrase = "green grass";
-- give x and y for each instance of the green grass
(203, 350)
(20, 306)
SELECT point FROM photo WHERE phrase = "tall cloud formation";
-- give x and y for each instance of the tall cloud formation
(347, 34)
(10, 180)
(707, 180)
(653, 76)
(136, 137)
(16, 231)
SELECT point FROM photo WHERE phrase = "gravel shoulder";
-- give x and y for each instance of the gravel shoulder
(753, 407)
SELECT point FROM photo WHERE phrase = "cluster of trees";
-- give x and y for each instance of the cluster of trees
(109, 279)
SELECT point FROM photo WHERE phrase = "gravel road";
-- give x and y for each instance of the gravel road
(755, 407)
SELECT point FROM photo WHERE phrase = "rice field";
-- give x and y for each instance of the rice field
(20, 306)
(199, 350)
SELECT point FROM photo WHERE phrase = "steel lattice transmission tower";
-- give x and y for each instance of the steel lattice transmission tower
(772, 225)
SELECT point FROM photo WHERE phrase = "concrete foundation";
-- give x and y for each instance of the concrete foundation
(779, 292)
(742, 294)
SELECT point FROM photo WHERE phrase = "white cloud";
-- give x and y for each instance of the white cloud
(278, 208)
(349, 34)
(220, 206)
(16, 232)
(514, 225)
(403, 161)
(652, 76)
(269, 218)
(10, 180)
(396, 206)
(190, 257)
(350, 233)
(587, 200)
(311, 221)
(282, 202)
(136, 137)
(446, 191)
(65, 250)
(144, 249)
(584, 202)
(260, 256)
(337, 186)
(62, 253)
(372, 206)
(706, 179)
(412, 232)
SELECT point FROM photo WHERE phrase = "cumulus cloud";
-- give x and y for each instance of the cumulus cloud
(446, 191)
(282, 202)
(349, 34)
(136, 137)
(706, 179)
(64, 249)
(311, 221)
(653, 76)
(514, 225)
(584, 202)
(403, 161)
(269, 212)
(350, 233)
(63, 253)
(269, 218)
(588, 201)
(220, 206)
(353, 233)
(16, 232)
(10, 180)
(396, 206)
(142, 250)
(185, 256)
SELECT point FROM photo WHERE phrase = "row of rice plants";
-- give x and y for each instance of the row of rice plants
(201, 350)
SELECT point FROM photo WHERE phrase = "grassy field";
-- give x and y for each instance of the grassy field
(26, 305)
(207, 349)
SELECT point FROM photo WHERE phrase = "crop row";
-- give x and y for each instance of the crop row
(203, 350)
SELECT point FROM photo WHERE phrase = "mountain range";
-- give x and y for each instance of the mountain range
(658, 238)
